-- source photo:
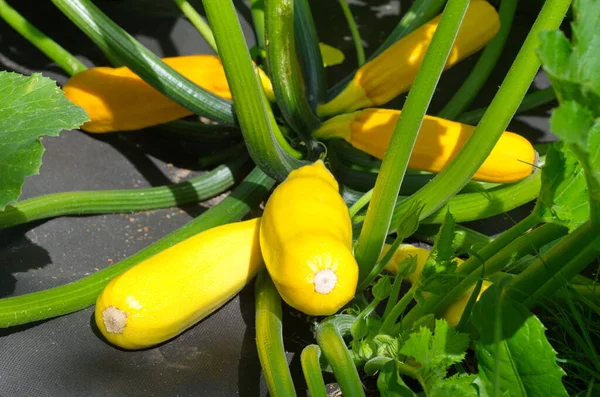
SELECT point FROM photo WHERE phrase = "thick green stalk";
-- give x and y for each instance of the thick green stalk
(253, 111)
(546, 267)
(530, 101)
(45, 44)
(311, 367)
(82, 293)
(113, 201)
(494, 256)
(284, 67)
(199, 23)
(334, 348)
(472, 206)
(484, 66)
(460, 170)
(360, 51)
(563, 276)
(269, 338)
(395, 161)
(467, 207)
(113, 40)
(309, 51)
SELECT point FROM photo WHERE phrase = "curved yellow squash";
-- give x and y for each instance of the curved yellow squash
(439, 141)
(392, 72)
(116, 99)
(306, 242)
(454, 312)
(164, 295)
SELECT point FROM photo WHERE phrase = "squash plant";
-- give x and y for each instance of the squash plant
(350, 225)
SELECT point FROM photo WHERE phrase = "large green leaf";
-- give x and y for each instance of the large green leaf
(31, 107)
(513, 355)
(573, 70)
(564, 196)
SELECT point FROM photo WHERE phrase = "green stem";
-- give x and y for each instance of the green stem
(45, 44)
(199, 23)
(460, 170)
(269, 338)
(257, 7)
(563, 276)
(399, 308)
(253, 111)
(380, 265)
(337, 355)
(80, 294)
(288, 83)
(112, 201)
(530, 101)
(493, 257)
(360, 51)
(395, 161)
(484, 66)
(393, 298)
(309, 50)
(545, 268)
(309, 359)
(109, 37)
(472, 206)
(360, 203)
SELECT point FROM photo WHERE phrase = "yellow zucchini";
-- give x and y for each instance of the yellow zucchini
(392, 72)
(439, 140)
(306, 242)
(116, 99)
(454, 312)
(166, 294)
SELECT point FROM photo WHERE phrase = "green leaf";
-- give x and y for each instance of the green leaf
(31, 107)
(513, 355)
(436, 351)
(573, 67)
(390, 383)
(573, 70)
(563, 196)
(457, 385)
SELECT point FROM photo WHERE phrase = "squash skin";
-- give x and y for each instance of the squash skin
(439, 141)
(166, 294)
(392, 72)
(306, 229)
(116, 99)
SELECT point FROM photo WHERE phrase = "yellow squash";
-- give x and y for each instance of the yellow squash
(392, 72)
(306, 242)
(454, 312)
(116, 99)
(164, 295)
(439, 140)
